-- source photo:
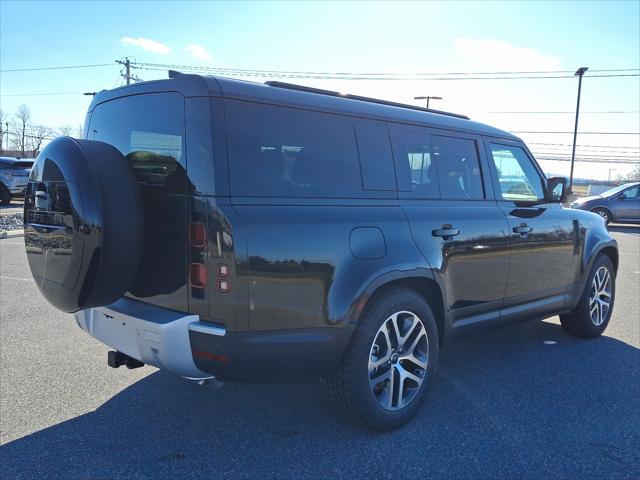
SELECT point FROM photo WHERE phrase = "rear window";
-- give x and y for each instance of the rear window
(287, 152)
(149, 131)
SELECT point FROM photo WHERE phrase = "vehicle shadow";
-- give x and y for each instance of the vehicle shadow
(504, 404)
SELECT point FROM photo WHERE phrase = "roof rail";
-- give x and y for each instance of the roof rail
(302, 88)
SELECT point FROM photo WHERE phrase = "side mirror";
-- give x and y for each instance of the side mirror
(556, 190)
(622, 196)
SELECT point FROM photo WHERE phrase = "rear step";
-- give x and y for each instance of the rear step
(118, 359)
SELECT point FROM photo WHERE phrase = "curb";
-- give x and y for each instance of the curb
(11, 234)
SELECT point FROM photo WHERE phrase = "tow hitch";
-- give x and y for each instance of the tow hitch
(118, 359)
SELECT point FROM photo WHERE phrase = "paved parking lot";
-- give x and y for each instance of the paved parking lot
(504, 405)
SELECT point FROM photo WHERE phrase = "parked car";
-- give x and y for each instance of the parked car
(14, 173)
(265, 232)
(620, 204)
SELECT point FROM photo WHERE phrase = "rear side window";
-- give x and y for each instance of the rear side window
(415, 153)
(149, 131)
(287, 152)
(458, 168)
(437, 166)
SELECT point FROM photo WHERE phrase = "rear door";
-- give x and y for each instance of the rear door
(627, 204)
(542, 236)
(446, 194)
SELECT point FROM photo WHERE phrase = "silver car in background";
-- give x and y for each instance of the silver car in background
(621, 204)
(14, 174)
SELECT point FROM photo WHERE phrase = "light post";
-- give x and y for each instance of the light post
(579, 73)
(427, 98)
(611, 170)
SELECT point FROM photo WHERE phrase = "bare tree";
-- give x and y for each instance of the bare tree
(632, 176)
(38, 134)
(65, 131)
(3, 132)
(23, 116)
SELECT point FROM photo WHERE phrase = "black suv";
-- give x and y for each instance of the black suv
(267, 232)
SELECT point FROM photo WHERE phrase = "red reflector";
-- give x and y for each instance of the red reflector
(223, 286)
(223, 270)
(197, 234)
(210, 356)
(198, 275)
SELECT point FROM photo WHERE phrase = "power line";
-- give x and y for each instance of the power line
(589, 146)
(66, 67)
(581, 133)
(590, 155)
(573, 112)
(37, 94)
(377, 76)
(587, 160)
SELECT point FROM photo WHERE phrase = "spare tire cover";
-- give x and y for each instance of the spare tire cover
(83, 223)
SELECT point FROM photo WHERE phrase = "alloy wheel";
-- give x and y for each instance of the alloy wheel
(600, 297)
(398, 360)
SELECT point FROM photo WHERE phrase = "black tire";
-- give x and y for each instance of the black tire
(83, 209)
(581, 321)
(604, 213)
(349, 389)
(5, 195)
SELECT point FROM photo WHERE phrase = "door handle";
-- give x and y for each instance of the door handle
(523, 229)
(446, 232)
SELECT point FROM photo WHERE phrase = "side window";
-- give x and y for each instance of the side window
(376, 160)
(458, 168)
(280, 151)
(518, 178)
(415, 152)
(631, 192)
(149, 131)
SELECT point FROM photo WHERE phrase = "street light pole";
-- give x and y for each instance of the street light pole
(427, 98)
(579, 73)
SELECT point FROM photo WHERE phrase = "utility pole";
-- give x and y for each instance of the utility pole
(127, 71)
(579, 73)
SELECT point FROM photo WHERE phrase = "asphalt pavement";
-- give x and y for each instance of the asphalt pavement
(524, 402)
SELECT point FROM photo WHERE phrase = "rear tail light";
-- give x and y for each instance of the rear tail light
(197, 234)
(198, 275)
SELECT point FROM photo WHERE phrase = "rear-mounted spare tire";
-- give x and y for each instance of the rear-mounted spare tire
(83, 224)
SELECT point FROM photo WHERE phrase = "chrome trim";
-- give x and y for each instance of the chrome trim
(208, 329)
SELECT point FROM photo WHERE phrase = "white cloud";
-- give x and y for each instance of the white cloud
(147, 44)
(489, 54)
(199, 52)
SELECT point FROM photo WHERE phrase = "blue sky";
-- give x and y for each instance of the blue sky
(350, 37)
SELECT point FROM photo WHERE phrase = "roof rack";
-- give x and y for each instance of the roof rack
(302, 88)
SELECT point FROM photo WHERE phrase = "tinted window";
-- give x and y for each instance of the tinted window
(415, 153)
(149, 131)
(458, 168)
(376, 161)
(517, 176)
(280, 151)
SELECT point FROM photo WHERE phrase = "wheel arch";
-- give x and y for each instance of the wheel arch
(424, 285)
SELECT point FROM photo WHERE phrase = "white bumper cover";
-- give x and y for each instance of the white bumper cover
(153, 335)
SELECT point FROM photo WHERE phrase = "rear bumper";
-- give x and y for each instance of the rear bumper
(181, 344)
(153, 335)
